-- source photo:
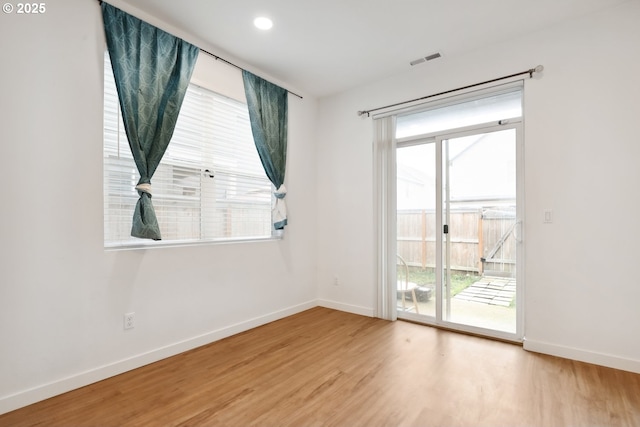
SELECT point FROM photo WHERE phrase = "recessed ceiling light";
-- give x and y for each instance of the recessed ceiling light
(263, 23)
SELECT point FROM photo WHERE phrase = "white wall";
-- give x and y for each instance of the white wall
(62, 296)
(582, 147)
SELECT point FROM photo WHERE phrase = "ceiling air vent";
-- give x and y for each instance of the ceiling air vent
(426, 58)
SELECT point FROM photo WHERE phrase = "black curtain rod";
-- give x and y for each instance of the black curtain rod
(217, 58)
(530, 71)
(230, 63)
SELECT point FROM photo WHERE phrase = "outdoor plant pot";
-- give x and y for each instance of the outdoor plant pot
(423, 294)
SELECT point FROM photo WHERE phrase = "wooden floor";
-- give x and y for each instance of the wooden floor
(328, 368)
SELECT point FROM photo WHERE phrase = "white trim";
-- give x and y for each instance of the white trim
(348, 308)
(81, 379)
(439, 226)
(276, 235)
(581, 355)
(520, 223)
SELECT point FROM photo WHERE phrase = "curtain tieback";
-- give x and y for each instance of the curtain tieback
(144, 188)
(280, 192)
(279, 211)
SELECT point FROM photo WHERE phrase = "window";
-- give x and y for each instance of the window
(210, 186)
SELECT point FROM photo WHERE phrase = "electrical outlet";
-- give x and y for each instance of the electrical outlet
(129, 320)
(336, 282)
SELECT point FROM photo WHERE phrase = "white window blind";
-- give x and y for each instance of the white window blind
(210, 184)
(502, 105)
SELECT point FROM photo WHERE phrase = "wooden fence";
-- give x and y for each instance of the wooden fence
(482, 240)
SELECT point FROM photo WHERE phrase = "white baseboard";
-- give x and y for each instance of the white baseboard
(45, 391)
(601, 359)
(355, 309)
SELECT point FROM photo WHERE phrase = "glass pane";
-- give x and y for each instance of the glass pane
(490, 109)
(416, 229)
(480, 248)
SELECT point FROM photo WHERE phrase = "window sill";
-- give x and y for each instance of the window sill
(149, 244)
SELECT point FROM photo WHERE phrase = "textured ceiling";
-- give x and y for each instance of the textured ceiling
(324, 47)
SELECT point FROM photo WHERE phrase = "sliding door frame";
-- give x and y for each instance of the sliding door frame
(439, 320)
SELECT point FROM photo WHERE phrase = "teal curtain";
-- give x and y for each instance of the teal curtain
(152, 70)
(268, 114)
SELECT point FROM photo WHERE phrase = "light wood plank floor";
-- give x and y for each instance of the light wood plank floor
(328, 368)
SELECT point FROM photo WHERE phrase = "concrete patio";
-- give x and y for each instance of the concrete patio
(488, 303)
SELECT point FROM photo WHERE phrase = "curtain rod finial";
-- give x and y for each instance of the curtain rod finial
(537, 69)
(362, 113)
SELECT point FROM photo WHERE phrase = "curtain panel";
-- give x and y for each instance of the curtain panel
(152, 70)
(268, 111)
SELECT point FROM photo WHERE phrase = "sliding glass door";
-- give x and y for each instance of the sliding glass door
(458, 229)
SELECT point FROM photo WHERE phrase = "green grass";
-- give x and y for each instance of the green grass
(459, 282)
